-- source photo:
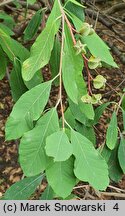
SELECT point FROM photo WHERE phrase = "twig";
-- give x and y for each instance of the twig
(115, 8)
(121, 195)
(60, 67)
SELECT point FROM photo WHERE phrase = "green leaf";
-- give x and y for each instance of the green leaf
(112, 132)
(88, 132)
(36, 80)
(29, 106)
(87, 109)
(33, 158)
(23, 189)
(3, 64)
(41, 49)
(70, 71)
(115, 171)
(55, 60)
(77, 113)
(76, 3)
(33, 26)
(7, 20)
(105, 152)
(99, 49)
(48, 194)
(61, 178)
(16, 82)
(70, 118)
(58, 146)
(31, 1)
(12, 48)
(6, 29)
(121, 153)
(89, 164)
(99, 111)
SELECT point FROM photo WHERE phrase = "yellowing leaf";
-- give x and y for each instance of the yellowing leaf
(99, 82)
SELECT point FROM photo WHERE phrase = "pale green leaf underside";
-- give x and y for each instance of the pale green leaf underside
(33, 159)
(23, 189)
(58, 146)
(89, 164)
(61, 178)
(41, 49)
(112, 132)
(28, 108)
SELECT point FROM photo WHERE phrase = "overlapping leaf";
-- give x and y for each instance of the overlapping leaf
(41, 49)
(121, 154)
(58, 146)
(28, 108)
(70, 71)
(61, 177)
(12, 48)
(3, 64)
(23, 189)
(112, 132)
(16, 82)
(89, 164)
(33, 158)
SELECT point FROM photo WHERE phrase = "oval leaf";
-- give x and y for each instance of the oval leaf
(61, 177)
(58, 146)
(32, 155)
(23, 189)
(28, 108)
(41, 49)
(121, 154)
(112, 132)
(89, 164)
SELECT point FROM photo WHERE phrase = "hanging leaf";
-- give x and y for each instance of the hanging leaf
(32, 156)
(58, 146)
(12, 48)
(115, 171)
(112, 132)
(16, 82)
(99, 111)
(48, 194)
(36, 80)
(61, 178)
(28, 108)
(55, 60)
(33, 26)
(89, 164)
(69, 118)
(3, 64)
(88, 132)
(6, 29)
(7, 20)
(70, 71)
(23, 189)
(87, 109)
(105, 152)
(41, 49)
(121, 154)
(99, 49)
